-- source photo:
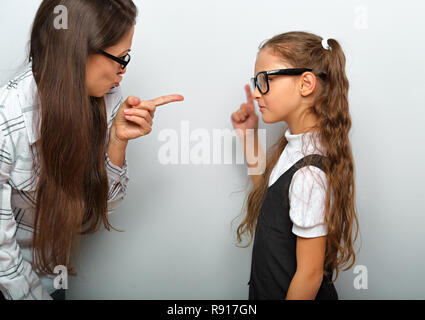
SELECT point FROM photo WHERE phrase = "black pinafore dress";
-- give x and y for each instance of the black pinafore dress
(274, 250)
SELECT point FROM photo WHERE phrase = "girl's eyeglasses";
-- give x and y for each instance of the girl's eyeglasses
(261, 80)
(123, 61)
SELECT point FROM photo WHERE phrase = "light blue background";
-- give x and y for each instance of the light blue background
(178, 241)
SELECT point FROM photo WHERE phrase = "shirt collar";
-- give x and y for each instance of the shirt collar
(306, 143)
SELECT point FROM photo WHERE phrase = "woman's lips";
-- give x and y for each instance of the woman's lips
(117, 83)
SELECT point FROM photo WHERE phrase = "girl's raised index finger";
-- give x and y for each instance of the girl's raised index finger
(167, 99)
(249, 96)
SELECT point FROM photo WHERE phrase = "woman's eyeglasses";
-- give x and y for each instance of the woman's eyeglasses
(123, 61)
(261, 80)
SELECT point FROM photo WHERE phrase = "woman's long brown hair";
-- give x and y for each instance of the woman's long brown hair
(72, 190)
(302, 49)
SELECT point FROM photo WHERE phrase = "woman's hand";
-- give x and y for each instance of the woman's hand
(135, 117)
(245, 117)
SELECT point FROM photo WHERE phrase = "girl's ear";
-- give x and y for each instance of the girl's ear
(307, 83)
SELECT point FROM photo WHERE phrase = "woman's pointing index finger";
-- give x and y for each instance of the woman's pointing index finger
(167, 99)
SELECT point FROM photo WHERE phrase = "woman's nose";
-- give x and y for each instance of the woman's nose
(122, 71)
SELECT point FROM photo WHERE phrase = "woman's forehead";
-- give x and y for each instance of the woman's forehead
(125, 43)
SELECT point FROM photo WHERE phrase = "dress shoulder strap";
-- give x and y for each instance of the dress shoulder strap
(285, 179)
(310, 160)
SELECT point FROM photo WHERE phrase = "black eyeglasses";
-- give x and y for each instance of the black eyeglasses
(261, 80)
(123, 61)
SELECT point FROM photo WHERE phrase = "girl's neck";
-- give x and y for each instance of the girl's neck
(302, 120)
(307, 124)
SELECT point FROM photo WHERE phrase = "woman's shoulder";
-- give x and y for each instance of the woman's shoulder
(18, 93)
(17, 103)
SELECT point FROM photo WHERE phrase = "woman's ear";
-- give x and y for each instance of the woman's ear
(307, 83)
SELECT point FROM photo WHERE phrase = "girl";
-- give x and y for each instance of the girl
(302, 207)
(63, 138)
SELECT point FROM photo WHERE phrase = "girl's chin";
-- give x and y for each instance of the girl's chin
(267, 119)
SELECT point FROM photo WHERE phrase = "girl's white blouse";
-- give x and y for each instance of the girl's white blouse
(308, 187)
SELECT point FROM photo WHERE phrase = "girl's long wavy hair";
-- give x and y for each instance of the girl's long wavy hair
(72, 190)
(302, 49)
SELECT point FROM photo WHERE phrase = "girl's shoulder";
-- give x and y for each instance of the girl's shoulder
(308, 178)
(307, 195)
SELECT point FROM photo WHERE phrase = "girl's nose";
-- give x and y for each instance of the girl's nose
(256, 94)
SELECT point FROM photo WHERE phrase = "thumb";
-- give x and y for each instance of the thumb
(132, 101)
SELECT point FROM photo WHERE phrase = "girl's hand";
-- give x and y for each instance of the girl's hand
(245, 117)
(135, 117)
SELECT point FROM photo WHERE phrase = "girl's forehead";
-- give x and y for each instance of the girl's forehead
(268, 60)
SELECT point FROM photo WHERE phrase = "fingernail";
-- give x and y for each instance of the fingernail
(127, 111)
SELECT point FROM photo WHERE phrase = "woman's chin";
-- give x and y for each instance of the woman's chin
(100, 92)
(96, 94)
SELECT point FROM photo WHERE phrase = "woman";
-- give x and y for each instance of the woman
(63, 138)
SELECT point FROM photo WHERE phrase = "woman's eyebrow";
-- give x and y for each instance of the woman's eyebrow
(128, 50)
